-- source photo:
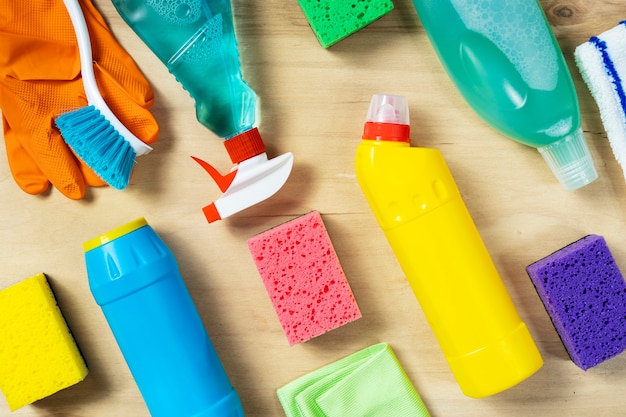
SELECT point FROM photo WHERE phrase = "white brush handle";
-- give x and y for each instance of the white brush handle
(89, 80)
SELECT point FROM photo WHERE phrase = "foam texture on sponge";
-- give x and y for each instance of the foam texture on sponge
(334, 20)
(584, 293)
(38, 355)
(303, 278)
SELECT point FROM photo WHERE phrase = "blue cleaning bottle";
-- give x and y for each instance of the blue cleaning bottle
(196, 41)
(134, 278)
(504, 59)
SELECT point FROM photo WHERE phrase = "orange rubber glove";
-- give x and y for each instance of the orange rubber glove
(40, 79)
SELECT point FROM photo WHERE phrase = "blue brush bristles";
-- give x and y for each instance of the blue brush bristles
(92, 137)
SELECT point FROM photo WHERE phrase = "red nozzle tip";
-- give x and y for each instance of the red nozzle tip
(211, 213)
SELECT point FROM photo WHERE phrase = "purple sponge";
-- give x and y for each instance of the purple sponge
(584, 293)
(303, 277)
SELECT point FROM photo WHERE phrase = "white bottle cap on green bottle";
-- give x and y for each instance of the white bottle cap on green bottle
(570, 161)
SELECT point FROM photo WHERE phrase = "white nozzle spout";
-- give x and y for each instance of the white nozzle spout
(388, 108)
(570, 161)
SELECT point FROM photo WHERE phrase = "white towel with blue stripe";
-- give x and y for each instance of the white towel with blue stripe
(602, 63)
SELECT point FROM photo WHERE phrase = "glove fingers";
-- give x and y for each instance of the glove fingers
(136, 116)
(45, 149)
(63, 171)
(25, 171)
(91, 178)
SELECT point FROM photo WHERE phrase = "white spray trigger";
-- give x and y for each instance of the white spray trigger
(252, 180)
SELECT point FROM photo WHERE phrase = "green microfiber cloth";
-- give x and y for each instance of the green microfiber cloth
(370, 382)
(334, 20)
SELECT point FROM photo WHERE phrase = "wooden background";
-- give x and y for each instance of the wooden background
(313, 103)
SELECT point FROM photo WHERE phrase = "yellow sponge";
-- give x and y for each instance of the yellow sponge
(38, 355)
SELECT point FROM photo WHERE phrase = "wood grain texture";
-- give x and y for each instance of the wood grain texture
(313, 103)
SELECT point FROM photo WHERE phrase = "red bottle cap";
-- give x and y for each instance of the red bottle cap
(245, 145)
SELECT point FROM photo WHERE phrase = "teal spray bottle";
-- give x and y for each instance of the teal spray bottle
(504, 59)
(196, 40)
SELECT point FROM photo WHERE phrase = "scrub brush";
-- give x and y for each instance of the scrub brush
(93, 132)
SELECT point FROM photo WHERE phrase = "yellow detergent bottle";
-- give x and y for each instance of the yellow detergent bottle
(418, 205)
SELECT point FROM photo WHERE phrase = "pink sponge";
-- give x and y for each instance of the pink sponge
(304, 278)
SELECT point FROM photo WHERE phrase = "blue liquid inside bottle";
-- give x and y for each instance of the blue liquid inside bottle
(196, 40)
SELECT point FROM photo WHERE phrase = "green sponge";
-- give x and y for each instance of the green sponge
(333, 20)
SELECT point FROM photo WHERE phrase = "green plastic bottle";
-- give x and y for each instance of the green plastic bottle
(195, 39)
(505, 61)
